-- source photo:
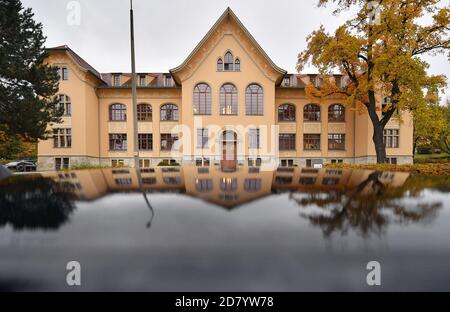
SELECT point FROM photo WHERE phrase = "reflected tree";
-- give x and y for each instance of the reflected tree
(367, 209)
(34, 203)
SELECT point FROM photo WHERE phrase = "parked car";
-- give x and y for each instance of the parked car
(21, 166)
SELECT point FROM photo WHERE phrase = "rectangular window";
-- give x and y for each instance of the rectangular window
(142, 80)
(391, 138)
(287, 142)
(62, 138)
(117, 163)
(254, 138)
(118, 142)
(168, 141)
(116, 80)
(311, 142)
(168, 81)
(63, 73)
(392, 161)
(145, 142)
(287, 163)
(254, 162)
(287, 82)
(62, 163)
(252, 185)
(144, 163)
(202, 138)
(336, 142)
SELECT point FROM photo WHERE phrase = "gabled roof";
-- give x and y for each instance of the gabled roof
(228, 13)
(80, 61)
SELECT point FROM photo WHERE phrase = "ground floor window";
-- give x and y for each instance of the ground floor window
(391, 160)
(254, 162)
(336, 142)
(254, 138)
(287, 142)
(168, 141)
(62, 138)
(391, 138)
(118, 142)
(337, 161)
(145, 142)
(117, 163)
(311, 142)
(62, 163)
(202, 138)
(144, 163)
(311, 163)
(287, 163)
(202, 162)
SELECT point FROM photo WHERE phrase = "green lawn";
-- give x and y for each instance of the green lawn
(422, 158)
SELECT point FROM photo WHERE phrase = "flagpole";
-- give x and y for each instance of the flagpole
(134, 90)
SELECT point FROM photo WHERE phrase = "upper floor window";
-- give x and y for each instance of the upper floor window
(202, 99)
(286, 112)
(286, 142)
(311, 112)
(228, 100)
(116, 80)
(168, 82)
(311, 142)
(169, 112)
(391, 138)
(336, 112)
(386, 106)
(117, 112)
(66, 104)
(118, 142)
(237, 65)
(63, 73)
(317, 81)
(142, 80)
(144, 112)
(62, 138)
(336, 142)
(229, 61)
(219, 64)
(254, 100)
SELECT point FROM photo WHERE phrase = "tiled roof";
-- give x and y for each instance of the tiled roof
(78, 59)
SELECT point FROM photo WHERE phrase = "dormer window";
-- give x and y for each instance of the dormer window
(316, 81)
(219, 65)
(287, 81)
(168, 81)
(142, 80)
(229, 62)
(338, 81)
(116, 80)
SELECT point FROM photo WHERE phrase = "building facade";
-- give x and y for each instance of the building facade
(228, 103)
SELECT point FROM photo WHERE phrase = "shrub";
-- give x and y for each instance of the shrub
(439, 169)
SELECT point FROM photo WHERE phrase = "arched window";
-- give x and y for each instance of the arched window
(237, 65)
(229, 61)
(254, 100)
(66, 104)
(311, 112)
(286, 112)
(336, 112)
(202, 99)
(228, 100)
(117, 112)
(219, 65)
(169, 112)
(144, 112)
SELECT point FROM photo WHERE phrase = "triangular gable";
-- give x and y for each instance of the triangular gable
(193, 60)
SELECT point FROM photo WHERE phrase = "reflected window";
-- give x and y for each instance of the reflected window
(308, 180)
(172, 180)
(228, 184)
(203, 185)
(252, 185)
(123, 181)
(149, 181)
(281, 180)
(330, 181)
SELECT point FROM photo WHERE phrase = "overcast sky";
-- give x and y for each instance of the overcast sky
(168, 30)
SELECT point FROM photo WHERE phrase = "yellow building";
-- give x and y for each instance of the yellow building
(228, 103)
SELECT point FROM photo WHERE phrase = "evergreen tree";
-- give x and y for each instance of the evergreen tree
(27, 85)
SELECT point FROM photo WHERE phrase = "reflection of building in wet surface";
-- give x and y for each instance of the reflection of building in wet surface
(226, 189)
